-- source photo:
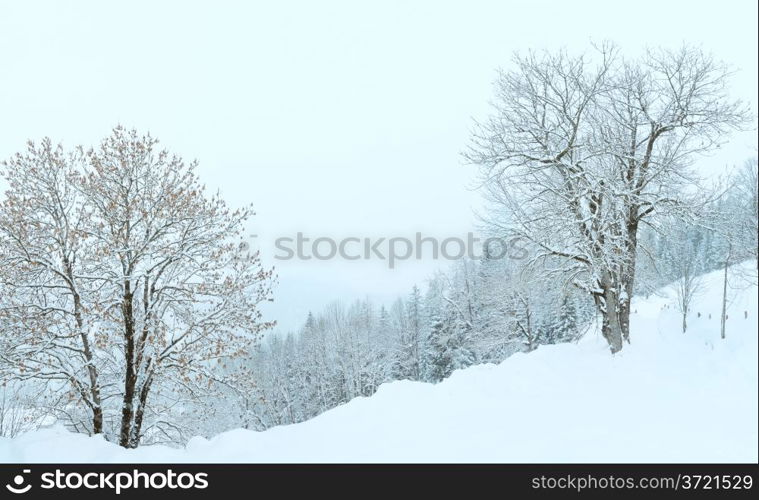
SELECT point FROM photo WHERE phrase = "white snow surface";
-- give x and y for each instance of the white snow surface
(667, 397)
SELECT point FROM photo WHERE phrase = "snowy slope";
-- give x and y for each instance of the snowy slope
(668, 397)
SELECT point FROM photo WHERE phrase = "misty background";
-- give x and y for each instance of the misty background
(333, 118)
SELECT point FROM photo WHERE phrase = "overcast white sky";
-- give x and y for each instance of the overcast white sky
(333, 118)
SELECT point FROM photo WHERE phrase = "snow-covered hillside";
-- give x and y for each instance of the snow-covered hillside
(668, 397)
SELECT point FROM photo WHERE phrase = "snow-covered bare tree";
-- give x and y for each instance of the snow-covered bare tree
(50, 299)
(580, 151)
(185, 294)
(685, 265)
(125, 283)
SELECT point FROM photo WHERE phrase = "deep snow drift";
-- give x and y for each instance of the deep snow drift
(668, 397)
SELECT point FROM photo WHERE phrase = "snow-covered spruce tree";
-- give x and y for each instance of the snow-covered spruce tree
(434, 307)
(412, 342)
(409, 328)
(446, 345)
(131, 278)
(449, 330)
(566, 324)
(438, 360)
(580, 151)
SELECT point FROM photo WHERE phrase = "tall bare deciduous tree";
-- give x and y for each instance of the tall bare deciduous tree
(580, 151)
(125, 282)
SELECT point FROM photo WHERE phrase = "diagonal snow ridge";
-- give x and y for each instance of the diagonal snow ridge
(667, 397)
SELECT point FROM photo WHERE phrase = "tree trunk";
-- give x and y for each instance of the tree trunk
(130, 376)
(136, 432)
(97, 408)
(624, 319)
(97, 403)
(612, 331)
(611, 327)
(628, 273)
(623, 315)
